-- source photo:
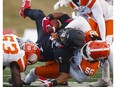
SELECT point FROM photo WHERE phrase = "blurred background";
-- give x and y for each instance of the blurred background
(12, 19)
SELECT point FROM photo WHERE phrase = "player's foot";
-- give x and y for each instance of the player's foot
(64, 83)
(100, 83)
(25, 5)
(10, 80)
(26, 83)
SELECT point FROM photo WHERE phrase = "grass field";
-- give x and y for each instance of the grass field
(72, 83)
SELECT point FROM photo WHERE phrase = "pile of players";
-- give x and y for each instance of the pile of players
(71, 47)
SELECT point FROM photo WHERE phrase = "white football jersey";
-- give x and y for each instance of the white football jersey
(12, 52)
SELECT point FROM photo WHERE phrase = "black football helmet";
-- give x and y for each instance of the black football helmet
(72, 37)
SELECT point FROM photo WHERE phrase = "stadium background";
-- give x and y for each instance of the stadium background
(12, 20)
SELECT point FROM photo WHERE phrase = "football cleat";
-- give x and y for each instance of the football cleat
(25, 5)
(100, 83)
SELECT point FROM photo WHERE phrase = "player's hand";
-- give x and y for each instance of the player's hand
(47, 25)
(45, 82)
(25, 5)
(61, 3)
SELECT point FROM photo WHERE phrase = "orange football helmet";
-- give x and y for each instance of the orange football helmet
(95, 50)
(32, 52)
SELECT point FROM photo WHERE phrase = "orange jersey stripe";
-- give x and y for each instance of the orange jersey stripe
(19, 62)
(71, 5)
(91, 4)
(83, 2)
(109, 27)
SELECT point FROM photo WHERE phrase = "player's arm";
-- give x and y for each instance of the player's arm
(15, 73)
(62, 78)
(96, 8)
(64, 73)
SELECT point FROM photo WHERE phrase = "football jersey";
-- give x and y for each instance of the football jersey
(92, 8)
(85, 66)
(12, 52)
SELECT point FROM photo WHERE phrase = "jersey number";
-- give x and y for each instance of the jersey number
(89, 71)
(11, 47)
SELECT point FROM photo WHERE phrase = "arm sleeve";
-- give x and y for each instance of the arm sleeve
(98, 15)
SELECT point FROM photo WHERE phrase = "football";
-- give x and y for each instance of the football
(55, 23)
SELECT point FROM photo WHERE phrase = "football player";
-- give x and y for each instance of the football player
(104, 20)
(42, 22)
(59, 48)
(17, 55)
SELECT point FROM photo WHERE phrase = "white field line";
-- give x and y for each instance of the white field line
(71, 84)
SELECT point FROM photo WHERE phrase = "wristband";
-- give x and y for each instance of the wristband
(50, 17)
(54, 82)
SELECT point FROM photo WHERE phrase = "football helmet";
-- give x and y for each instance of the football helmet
(72, 37)
(95, 50)
(32, 52)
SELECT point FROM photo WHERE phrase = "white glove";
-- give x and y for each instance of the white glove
(74, 15)
(61, 3)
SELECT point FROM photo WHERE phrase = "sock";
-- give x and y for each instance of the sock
(106, 71)
(31, 77)
(110, 57)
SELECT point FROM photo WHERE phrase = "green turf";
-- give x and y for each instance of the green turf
(6, 73)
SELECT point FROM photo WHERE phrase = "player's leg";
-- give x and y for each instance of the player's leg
(109, 39)
(37, 16)
(15, 74)
(31, 77)
(77, 74)
(50, 70)
(105, 80)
